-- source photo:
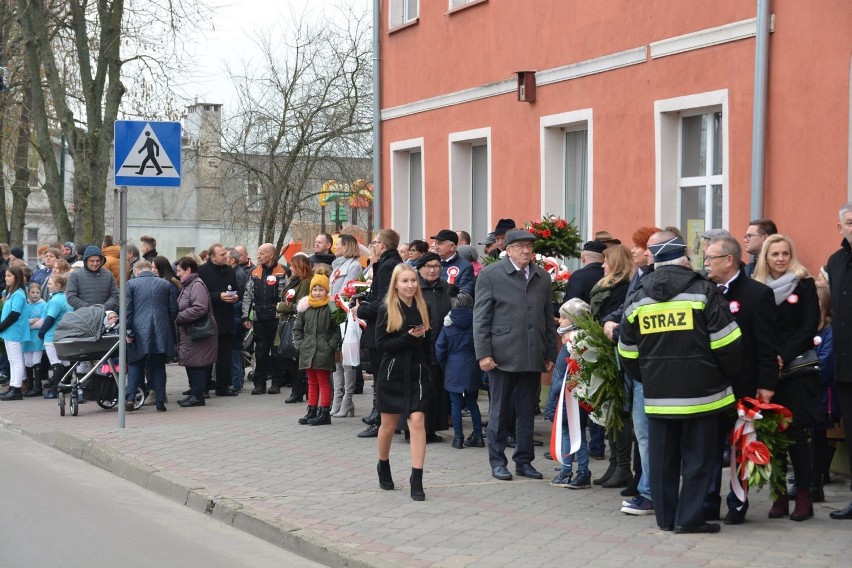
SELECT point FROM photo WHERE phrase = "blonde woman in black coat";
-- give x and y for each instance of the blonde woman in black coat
(403, 386)
(797, 307)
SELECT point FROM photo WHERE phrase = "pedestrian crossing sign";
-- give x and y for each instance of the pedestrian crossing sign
(147, 153)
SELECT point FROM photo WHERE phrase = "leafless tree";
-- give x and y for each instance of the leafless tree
(303, 117)
(80, 54)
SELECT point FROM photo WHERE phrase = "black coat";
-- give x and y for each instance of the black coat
(369, 308)
(583, 280)
(840, 281)
(753, 306)
(403, 384)
(220, 279)
(797, 325)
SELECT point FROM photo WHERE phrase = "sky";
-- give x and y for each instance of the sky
(228, 40)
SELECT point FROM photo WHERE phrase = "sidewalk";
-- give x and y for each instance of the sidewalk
(245, 461)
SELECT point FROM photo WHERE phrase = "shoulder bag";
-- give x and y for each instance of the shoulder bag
(286, 345)
(805, 364)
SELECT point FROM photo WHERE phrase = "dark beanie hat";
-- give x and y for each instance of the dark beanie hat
(17, 252)
(461, 300)
(427, 257)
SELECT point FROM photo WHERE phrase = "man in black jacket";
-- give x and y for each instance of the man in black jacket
(583, 279)
(386, 243)
(221, 282)
(753, 306)
(840, 281)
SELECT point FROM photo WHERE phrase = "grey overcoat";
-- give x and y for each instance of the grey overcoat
(513, 318)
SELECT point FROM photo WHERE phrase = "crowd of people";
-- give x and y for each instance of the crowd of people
(442, 322)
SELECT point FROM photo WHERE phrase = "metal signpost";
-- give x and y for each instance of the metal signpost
(147, 154)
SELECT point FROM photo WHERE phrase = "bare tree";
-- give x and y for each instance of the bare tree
(74, 55)
(304, 113)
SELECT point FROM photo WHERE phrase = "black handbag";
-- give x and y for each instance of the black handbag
(805, 364)
(286, 345)
(201, 328)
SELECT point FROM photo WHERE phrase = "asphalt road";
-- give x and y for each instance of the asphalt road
(59, 511)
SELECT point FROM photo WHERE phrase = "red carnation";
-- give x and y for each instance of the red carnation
(573, 367)
(532, 230)
(561, 224)
(545, 233)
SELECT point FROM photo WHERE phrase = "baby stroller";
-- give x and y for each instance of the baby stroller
(79, 337)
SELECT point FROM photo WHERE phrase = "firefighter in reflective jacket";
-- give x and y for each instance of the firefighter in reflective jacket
(679, 339)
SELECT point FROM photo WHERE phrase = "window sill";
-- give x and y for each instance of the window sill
(458, 9)
(404, 26)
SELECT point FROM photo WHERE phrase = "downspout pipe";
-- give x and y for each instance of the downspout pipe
(377, 117)
(758, 140)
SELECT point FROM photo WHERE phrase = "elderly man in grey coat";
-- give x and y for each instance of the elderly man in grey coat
(514, 336)
(151, 312)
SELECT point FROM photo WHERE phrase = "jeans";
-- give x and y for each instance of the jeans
(583, 453)
(640, 431)
(155, 363)
(597, 436)
(237, 370)
(460, 400)
(4, 365)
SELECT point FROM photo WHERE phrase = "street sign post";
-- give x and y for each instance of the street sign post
(146, 153)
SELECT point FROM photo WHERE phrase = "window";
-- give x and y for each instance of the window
(31, 247)
(407, 183)
(253, 196)
(566, 163)
(692, 183)
(470, 173)
(181, 252)
(460, 3)
(700, 180)
(403, 12)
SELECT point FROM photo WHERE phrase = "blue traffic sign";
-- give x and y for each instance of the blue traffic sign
(147, 153)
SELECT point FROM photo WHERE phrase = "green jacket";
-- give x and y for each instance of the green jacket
(317, 337)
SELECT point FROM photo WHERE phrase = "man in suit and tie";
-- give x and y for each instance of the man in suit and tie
(515, 341)
(753, 306)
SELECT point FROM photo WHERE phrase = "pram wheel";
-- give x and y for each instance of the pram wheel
(60, 399)
(75, 405)
(107, 404)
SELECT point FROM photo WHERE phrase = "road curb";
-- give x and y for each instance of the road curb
(279, 532)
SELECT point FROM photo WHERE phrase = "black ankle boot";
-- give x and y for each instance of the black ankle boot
(385, 479)
(311, 414)
(372, 417)
(56, 373)
(323, 417)
(416, 481)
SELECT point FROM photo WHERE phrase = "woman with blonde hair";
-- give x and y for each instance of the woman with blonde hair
(402, 382)
(345, 268)
(798, 312)
(606, 297)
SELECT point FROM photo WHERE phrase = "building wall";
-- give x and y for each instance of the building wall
(480, 47)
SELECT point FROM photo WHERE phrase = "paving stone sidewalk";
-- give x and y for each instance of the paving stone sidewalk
(245, 461)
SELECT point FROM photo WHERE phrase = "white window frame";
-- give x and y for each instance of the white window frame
(461, 177)
(400, 180)
(667, 138)
(552, 140)
(400, 12)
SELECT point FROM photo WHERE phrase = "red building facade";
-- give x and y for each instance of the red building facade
(642, 114)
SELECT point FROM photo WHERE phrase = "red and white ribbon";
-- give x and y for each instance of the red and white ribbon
(572, 410)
